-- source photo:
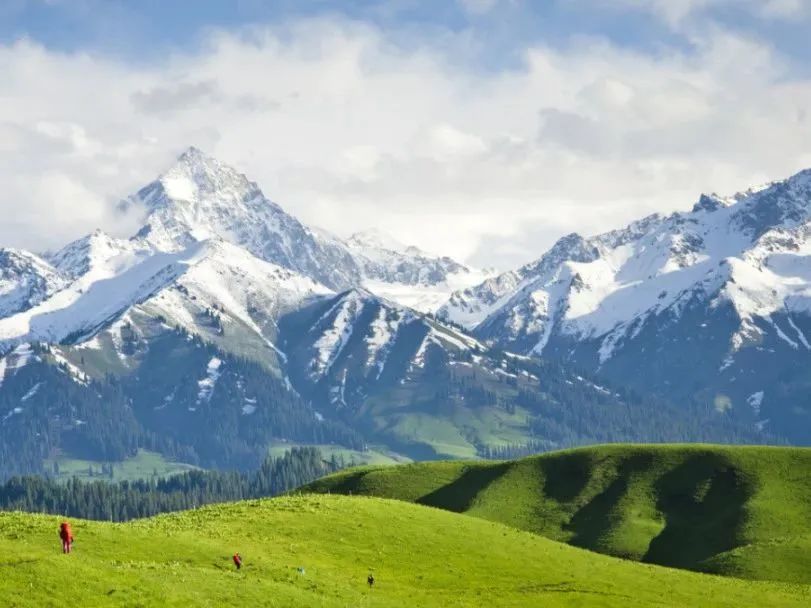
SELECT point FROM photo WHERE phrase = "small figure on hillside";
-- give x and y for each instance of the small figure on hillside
(371, 580)
(238, 560)
(66, 535)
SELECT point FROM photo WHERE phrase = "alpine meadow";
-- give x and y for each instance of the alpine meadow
(481, 303)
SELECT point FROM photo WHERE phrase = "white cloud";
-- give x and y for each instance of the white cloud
(677, 12)
(347, 131)
(785, 9)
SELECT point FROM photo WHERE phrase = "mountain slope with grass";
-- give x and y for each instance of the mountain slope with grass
(740, 511)
(318, 551)
(428, 390)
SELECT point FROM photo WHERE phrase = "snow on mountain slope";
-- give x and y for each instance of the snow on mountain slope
(200, 198)
(346, 347)
(99, 253)
(336, 335)
(383, 259)
(233, 298)
(471, 306)
(406, 274)
(25, 281)
(434, 391)
(225, 301)
(212, 289)
(425, 297)
(96, 298)
(605, 286)
(214, 257)
(14, 360)
(712, 304)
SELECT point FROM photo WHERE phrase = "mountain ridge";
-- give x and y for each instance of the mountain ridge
(727, 284)
(224, 287)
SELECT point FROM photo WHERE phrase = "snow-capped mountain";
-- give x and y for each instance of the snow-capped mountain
(471, 306)
(353, 344)
(211, 288)
(406, 274)
(431, 390)
(25, 281)
(200, 213)
(99, 255)
(225, 323)
(714, 302)
(200, 198)
(189, 314)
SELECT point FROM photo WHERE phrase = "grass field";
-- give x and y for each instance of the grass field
(407, 414)
(144, 465)
(740, 511)
(420, 557)
(371, 456)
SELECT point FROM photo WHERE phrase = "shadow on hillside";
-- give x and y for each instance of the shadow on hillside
(566, 477)
(599, 516)
(458, 495)
(703, 501)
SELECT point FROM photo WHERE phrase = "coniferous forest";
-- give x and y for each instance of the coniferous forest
(123, 501)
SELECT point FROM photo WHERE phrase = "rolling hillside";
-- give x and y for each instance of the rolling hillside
(740, 511)
(318, 550)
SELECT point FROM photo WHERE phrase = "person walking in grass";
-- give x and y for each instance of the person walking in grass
(66, 534)
(371, 580)
(238, 560)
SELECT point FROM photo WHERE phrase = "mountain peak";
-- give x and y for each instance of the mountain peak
(192, 153)
(199, 198)
(801, 180)
(710, 202)
(91, 251)
(203, 180)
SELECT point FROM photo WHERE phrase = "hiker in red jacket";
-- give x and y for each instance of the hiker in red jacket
(66, 535)
(238, 560)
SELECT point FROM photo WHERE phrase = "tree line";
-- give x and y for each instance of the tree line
(45, 409)
(123, 501)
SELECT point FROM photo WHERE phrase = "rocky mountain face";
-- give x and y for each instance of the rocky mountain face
(712, 304)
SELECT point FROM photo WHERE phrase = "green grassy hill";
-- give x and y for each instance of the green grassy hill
(144, 465)
(420, 557)
(741, 511)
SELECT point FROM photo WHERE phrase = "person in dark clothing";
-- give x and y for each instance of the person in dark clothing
(66, 534)
(371, 580)
(238, 560)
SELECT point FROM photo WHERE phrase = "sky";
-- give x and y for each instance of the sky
(480, 129)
